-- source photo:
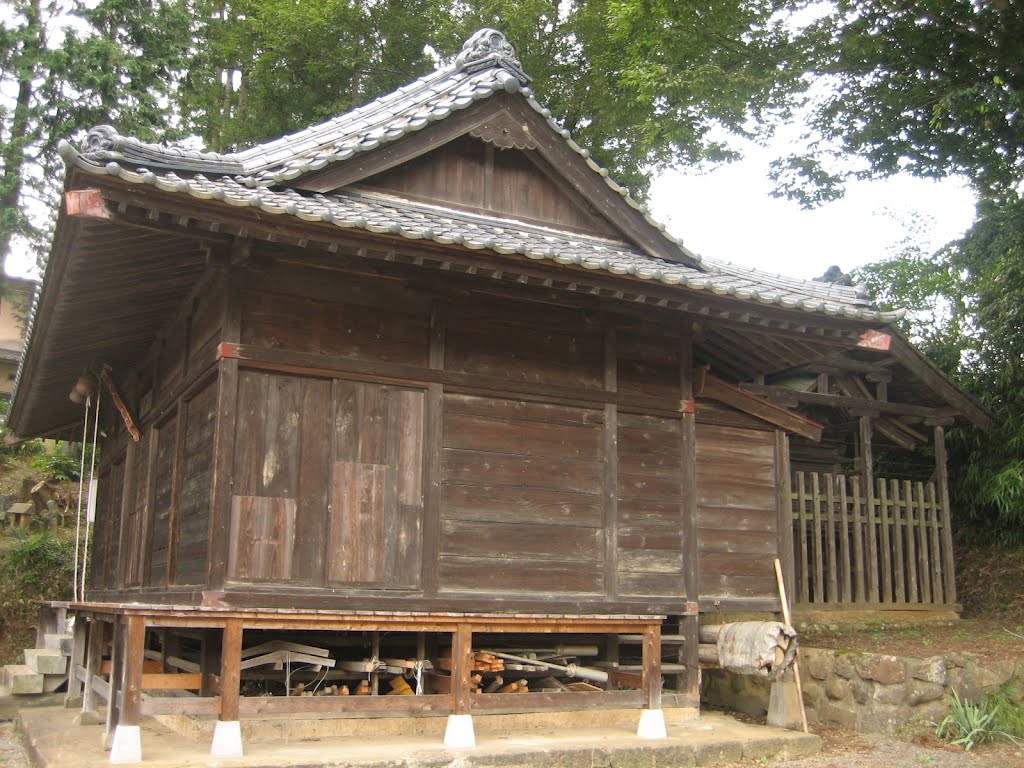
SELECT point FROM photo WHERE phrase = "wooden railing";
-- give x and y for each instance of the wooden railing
(886, 547)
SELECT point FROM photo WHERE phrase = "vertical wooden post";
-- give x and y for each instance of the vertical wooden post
(886, 559)
(691, 554)
(610, 451)
(832, 595)
(913, 594)
(651, 670)
(230, 669)
(925, 581)
(93, 661)
(898, 546)
(78, 655)
(784, 504)
(942, 480)
(116, 673)
(134, 648)
(805, 546)
(224, 440)
(819, 540)
(868, 478)
(844, 539)
(462, 665)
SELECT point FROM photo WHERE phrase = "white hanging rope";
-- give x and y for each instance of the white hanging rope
(92, 479)
(81, 480)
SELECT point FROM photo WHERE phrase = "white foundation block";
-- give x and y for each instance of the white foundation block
(458, 734)
(126, 749)
(652, 724)
(227, 739)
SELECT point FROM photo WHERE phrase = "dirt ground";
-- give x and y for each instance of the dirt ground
(987, 639)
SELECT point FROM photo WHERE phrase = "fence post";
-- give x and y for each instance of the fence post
(942, 478)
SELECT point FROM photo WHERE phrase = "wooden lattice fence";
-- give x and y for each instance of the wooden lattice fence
(886, 546)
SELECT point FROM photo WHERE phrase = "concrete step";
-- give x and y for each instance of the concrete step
(59, 642)
(20, 679)
(46, 661)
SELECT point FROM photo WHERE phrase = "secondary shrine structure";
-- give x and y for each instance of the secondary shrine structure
(425, 379)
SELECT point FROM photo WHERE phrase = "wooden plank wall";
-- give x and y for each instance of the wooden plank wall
(192, 521)
(327, 482)
(152, 520)
(738, 518)
(468, 172)
(381, 482)
(522, 497)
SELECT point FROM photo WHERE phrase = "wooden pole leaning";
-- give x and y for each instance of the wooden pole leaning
(796, 662)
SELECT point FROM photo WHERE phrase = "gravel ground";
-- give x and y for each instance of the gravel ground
(12, 754)
(846, 749)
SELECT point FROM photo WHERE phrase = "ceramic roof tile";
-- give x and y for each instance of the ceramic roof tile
(388, 214)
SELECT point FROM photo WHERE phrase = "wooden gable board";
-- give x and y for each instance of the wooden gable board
(551, 147)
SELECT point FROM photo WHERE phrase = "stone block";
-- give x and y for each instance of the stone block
(931, 670)
(59, 642)
(714, 753)
(837, 689)
(891, 694)
(19, 679)
(993, 674)
(843, 715)
(921, 692)
(964, 683)
(817, 663)
(887, 670)
(46, 661)
(844, 666)
(861, 690)
(813, 691)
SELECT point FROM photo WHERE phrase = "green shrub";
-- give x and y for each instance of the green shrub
(37, 567)
(998, 714)
(968, 724)
(57, 467)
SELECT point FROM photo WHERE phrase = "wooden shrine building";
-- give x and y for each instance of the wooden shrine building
(422, 379)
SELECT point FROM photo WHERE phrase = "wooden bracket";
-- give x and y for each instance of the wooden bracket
(108, 382)
(87, 203)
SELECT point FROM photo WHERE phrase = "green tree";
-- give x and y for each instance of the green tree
(643, 83)
(933, 87)
(68, 67)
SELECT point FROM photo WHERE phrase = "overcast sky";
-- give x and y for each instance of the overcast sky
(728, 214)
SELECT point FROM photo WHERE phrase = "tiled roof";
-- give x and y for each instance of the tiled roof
(487, 65)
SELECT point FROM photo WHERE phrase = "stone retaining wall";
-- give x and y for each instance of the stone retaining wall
(870, 692)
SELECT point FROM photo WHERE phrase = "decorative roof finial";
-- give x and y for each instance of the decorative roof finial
(490, 48)
(102, 138)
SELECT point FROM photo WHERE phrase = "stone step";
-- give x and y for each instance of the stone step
(59, 642)
(20, 679)
(52, 683)
(46, 661)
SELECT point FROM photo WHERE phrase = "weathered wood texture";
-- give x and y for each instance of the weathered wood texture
(521, 497)
(191, 531)
(737, 511)
(839, 526)
(472, 174)
(650, 492)
(327, 482)
(106, 550)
